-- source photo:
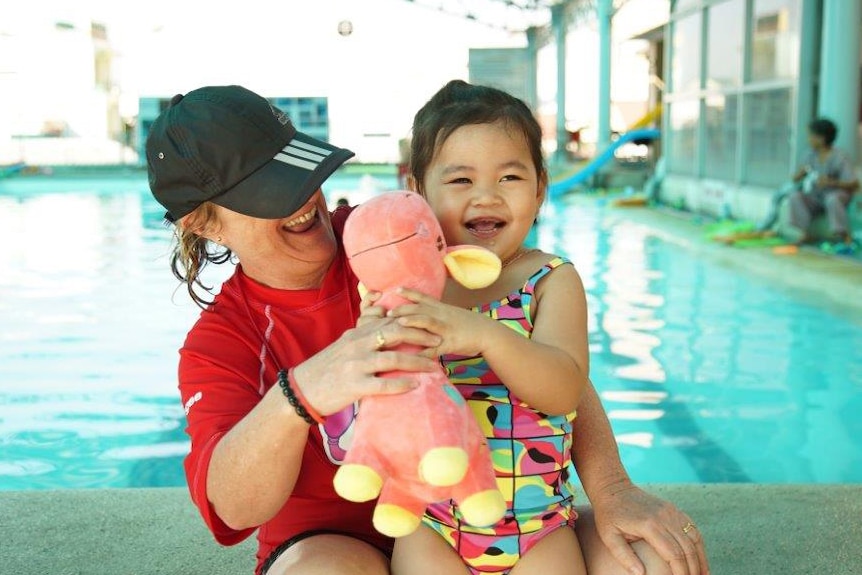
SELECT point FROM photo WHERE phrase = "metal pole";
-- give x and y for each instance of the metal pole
(558, 23)
(532, 50)
(604, 12)
(839, 70)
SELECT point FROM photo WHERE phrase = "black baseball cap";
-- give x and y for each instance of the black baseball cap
(230, 146)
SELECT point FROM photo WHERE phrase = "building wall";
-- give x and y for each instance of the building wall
(60, 99)
(742, 78)
(308, 114)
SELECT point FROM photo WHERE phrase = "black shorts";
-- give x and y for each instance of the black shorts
(305, 535)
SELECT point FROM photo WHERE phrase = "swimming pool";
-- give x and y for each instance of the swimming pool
(707, 375)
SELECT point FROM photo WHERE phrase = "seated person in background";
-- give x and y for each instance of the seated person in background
(828, 183)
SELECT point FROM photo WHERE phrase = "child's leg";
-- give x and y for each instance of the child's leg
(803, 208)
(425, 552)
(557, 553)
(836, 211)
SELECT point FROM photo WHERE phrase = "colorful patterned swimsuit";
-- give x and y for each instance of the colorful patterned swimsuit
(531, 452)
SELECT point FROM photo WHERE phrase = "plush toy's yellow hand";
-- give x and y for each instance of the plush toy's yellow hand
(472, 267)
(356, 482)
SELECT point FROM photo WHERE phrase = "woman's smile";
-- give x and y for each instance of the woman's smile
(302, 223)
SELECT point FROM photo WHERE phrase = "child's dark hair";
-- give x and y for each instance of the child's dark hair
(824, 128)
(460, 104)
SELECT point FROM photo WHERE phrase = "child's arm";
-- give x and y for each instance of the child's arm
(844, 177)
(549, 371)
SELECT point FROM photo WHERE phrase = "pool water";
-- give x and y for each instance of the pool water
(707, 375)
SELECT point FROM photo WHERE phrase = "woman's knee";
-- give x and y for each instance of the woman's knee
(654, 564)
(602, 562)
(598, 557)
(330, 554)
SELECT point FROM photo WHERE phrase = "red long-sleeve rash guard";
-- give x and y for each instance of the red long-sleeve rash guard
(224, 371)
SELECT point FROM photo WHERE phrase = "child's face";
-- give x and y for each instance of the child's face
(484, 188)
(816, 141)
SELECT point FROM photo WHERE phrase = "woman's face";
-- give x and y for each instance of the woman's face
(288, 253)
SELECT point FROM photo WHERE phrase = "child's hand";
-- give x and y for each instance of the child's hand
(367, 309)
(460, 329)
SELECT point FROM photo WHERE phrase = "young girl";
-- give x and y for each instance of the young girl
(522, 360)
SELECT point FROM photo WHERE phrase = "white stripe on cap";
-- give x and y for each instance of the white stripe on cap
(302, 155)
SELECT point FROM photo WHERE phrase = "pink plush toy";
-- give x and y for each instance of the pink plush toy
(421, 446)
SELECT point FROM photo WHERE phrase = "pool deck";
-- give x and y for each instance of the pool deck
(749, 528)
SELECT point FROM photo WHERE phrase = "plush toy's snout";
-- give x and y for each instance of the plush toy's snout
(424, 445)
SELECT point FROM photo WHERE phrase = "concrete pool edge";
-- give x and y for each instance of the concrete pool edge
(749, 528)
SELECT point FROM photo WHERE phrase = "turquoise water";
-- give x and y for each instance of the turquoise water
(707, 375)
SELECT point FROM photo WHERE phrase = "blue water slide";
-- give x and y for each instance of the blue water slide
(557, 188)
(11, 169)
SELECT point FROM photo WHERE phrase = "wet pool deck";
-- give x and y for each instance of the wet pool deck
(749, 528)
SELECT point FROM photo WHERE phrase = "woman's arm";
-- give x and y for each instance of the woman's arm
(623, 512)
(255, 465)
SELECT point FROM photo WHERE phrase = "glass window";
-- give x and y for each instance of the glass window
(775, 40)
(681, 5)
(682, 143)
(721, 113)
(768, 121)
(685, 54)
(309, 114)
(725, 44)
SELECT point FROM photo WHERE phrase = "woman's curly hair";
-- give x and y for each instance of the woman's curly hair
(192, 252)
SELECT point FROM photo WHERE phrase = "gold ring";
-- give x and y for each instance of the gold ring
(381, 341)
(688, 527)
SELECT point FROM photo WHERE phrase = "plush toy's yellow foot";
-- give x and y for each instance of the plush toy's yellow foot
(483, 508)
(394, 521)
(357, 482)
(443, 466)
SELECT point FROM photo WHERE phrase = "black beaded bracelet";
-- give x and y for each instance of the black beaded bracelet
(284, 384)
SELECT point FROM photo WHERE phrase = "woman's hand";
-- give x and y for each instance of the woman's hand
(625, 513)
(347, 369)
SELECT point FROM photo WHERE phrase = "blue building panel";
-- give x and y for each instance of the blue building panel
(308, 114)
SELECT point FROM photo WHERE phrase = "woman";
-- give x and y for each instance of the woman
(275, 349)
